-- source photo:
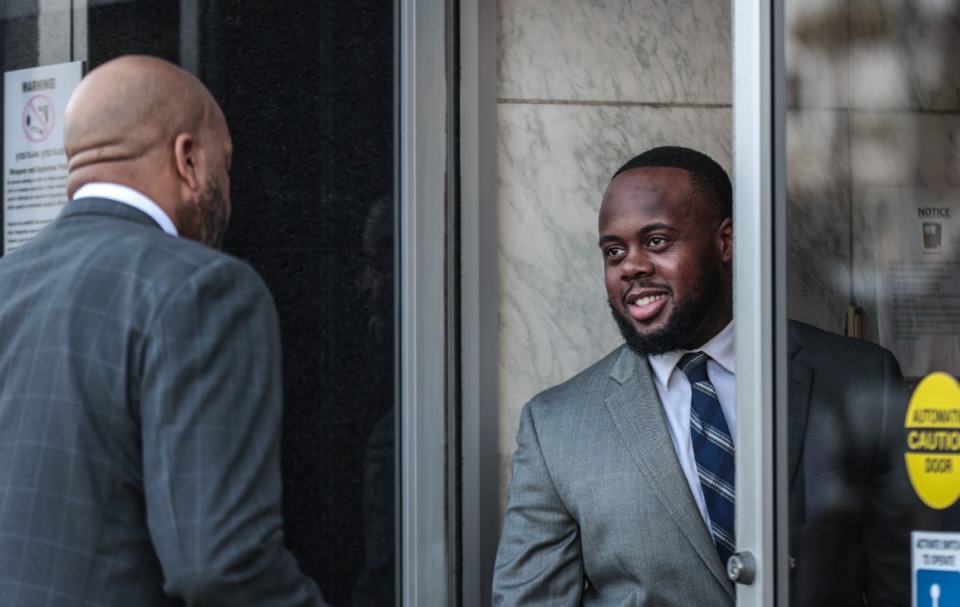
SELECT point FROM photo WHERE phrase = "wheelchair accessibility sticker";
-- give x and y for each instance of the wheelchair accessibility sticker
(936, 569)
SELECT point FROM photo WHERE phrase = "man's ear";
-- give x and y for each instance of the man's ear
(187, 160)
(725, 235)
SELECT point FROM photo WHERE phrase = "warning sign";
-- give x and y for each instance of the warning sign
(936, 569)
(933, 440)
(34, 162)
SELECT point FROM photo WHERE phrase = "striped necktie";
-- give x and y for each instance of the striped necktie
(713, 450)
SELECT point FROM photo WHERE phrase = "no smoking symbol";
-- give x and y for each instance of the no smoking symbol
(38, 118)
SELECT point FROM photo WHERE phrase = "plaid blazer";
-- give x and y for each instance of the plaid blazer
(140, 412)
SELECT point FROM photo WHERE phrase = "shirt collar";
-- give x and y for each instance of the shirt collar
(721, 348)
(131, 197)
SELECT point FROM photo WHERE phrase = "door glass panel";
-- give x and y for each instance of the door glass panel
(308, 91)
(873, 210)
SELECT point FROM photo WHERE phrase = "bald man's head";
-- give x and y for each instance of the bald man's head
(145, 123)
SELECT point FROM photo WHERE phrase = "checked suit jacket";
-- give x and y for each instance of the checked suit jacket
(140, 412)
(600, 513)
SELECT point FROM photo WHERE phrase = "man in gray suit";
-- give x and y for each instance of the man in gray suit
(140, 386)
(611, 502)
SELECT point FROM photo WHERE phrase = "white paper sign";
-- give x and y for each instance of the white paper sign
(35, 165)
(917, 249)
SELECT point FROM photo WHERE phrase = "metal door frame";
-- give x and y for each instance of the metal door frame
(760, 297)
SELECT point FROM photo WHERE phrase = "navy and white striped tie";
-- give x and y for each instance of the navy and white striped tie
(713, 450)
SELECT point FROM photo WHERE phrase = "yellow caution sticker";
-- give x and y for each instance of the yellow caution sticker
(933, 440)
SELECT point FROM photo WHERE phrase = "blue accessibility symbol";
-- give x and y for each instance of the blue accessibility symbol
(937, 588)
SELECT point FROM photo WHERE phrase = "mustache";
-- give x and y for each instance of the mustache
(643, 284)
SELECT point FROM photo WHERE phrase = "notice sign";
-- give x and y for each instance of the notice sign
(916, 249)
(35, 166)
(936, 569)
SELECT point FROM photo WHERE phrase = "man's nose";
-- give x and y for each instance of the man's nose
(636, 264)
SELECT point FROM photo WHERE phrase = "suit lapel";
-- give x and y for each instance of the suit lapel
(800, 379)
(638, 416)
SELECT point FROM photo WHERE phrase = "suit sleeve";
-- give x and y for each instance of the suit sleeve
(210, 409)
(539, 559)
(892, 510)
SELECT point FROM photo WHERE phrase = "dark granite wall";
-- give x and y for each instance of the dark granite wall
(307, 89)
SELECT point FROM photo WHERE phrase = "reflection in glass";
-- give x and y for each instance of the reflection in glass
(873, 191)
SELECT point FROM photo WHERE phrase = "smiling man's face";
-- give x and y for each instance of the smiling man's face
(667, 256)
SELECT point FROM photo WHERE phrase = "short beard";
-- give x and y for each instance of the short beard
(208, 217)
(213, 216)
(682, 326)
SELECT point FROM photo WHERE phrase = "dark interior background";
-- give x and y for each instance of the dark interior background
(307, 89)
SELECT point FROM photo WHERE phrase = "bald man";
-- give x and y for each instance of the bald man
(140, 386)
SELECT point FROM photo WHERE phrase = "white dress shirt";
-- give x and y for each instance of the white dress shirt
(674, 390)
(128, 196)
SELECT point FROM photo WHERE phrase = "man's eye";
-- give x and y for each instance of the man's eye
(613, 252)
(657, 241)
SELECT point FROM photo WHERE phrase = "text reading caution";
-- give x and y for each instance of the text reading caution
(933, 440)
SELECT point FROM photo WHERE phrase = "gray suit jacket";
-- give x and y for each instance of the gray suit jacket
(599, 512)
(140, 411)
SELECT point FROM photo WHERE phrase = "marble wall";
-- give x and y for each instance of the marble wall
(583, 87)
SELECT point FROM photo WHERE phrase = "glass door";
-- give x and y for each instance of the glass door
(872, 117)
(848, 171)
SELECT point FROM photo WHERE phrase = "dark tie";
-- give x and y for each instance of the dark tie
(713, 450)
